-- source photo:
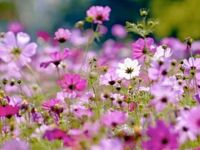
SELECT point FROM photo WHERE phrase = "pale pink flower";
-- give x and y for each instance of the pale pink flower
(98, 14)
(62, 35)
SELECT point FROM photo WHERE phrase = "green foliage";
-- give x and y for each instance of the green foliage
(45, 145)
(144, 27)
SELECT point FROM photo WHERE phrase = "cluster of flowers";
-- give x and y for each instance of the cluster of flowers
(128, 95)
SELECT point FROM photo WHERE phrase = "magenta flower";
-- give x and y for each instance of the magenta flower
(114, 118)
(162, 137)
(98, 14)
(54, 134)
(8, 111)
(56, 58)
(62, 35)
(17, 48)
(50, 104)
(72, 83)
(142, 46)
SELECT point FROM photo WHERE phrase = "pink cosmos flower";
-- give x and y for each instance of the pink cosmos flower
(163, 95)
(50, 104)
(8, 111)
(79, 111)
(62, 35)
(72, 83)
(98, 14)
(193, 120)
(56, 58)
(110, 78)
(17, 48)
(158, 69)
(114, 118)
(54, 134)
(142, 46)
(179, 49)
(183, 128)
(191, 63)
(161, 137)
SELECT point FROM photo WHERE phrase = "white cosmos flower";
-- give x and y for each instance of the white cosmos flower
(162, 53)
(129, 69)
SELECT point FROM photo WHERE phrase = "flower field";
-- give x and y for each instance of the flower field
(75, 91)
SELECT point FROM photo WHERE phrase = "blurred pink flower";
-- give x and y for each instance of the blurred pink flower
(17, 48)
(62, 35)
(56, 58)
(98, 14)
(15, 27)
(114, 118)
(119, 31)
(72, 83)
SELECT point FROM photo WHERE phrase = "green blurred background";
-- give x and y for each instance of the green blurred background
(178, 18)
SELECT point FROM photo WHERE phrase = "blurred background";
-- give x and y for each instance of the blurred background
(178, 18)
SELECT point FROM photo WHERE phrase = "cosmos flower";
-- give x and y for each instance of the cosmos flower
(17, 48)
(8, 111)
(72, 83)
(54, 134)
(183, 128)
(162, 137)
(80, 111)
(56, 58)
(158, 69)
(163, 95)
(193, 120)
(191, 64)
(62, 35)
(50, 104)
(114, 118)
(99, 14)
(129, 69)
(141, 47)
(109, 78)
(162, 53)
